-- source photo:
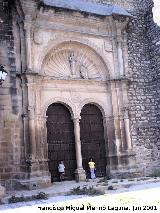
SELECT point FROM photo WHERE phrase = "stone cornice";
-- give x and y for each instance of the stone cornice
(73, 24)
(50, 79)
(74, 29)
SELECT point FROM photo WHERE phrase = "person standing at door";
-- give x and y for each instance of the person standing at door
(61, 170)
(92, 168)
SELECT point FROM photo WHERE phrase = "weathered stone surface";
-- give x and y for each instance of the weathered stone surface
(32, 183)
(2, 192)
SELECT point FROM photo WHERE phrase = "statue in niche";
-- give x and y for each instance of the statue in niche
(72, 63)
(74, 67)
(83, 72)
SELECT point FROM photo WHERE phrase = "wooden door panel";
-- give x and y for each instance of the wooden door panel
(60, 137)
(92, 138)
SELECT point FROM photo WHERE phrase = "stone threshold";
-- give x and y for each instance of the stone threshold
(64, 188)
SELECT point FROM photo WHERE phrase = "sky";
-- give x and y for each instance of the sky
(156, 12)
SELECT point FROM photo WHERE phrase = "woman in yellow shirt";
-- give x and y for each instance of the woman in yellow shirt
(92, 169)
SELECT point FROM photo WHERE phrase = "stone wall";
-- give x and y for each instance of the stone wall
(143, 89)
(141, 93)
(10, 102)
(153, 33)
(144, 63)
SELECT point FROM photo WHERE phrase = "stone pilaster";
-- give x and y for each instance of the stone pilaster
(28, 29)
(34, 133)
(120, 56)
(31, 123)
(115, 106)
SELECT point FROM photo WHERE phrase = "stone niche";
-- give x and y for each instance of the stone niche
(73, 60)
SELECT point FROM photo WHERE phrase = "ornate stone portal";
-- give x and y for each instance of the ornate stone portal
(69, 64)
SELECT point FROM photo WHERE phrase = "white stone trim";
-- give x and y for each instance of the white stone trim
(70, 105)
(96, 102)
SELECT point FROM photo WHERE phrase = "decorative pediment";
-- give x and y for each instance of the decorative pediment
(74, 61)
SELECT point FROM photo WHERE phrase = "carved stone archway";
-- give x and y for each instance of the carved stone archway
(79, 172)
(67, 67)
(83, 42)
(72, 60)
(101, 105)
(70, 105)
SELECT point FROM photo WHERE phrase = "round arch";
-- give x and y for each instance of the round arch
(97, 103)
(71, 107)
(54, 43)
(57, 63)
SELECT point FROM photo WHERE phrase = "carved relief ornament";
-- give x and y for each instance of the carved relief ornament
(74, 61)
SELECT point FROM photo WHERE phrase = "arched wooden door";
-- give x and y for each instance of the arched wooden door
(92, 138)
(61, 142)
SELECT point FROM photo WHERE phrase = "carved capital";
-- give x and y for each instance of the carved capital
(119, 40)
(31, 77)
(121, 23)
(125, 111)
(31, 111)
(76, 119)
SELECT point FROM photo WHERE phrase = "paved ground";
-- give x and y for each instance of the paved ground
(130, 196)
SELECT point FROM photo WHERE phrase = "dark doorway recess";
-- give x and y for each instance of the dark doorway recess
(92, 138)
(60, 137)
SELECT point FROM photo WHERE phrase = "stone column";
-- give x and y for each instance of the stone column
(128, 141)
(33, 165)
(80, 174)
(28, 29)
(41, 145)
(26, 136)
(127, 131)
(120, 56)
(32, 134)
(23, 47)
(41, 138)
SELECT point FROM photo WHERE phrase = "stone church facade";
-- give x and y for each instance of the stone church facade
(82, 82)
